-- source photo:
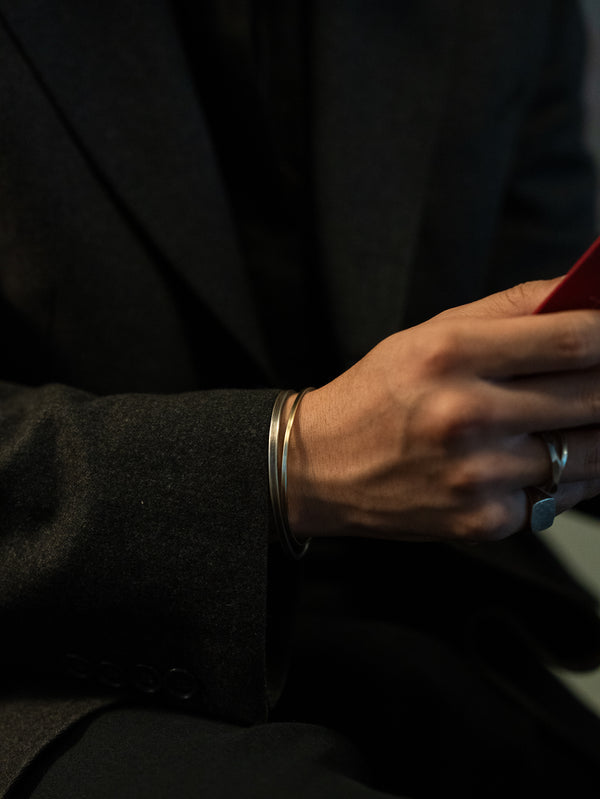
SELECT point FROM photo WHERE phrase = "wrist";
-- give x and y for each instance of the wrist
(306, 510)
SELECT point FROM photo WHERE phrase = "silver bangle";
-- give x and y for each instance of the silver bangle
(274, 491)
(278, 482)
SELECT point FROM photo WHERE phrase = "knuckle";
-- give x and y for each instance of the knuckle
(454, 415)
(575, 341)
(471, 477)
(442, 353)
(491, 520)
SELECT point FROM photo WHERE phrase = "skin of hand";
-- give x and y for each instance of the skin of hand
(432, 435)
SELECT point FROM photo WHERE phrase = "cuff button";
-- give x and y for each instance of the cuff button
(146, 679)
(111, 674)
(77, 666)
(181, 683)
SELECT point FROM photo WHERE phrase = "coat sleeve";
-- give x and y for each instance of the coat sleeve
(134, 541)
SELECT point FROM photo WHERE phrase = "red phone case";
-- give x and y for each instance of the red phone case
(580, 287)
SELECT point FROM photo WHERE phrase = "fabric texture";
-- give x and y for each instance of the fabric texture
(446, 160)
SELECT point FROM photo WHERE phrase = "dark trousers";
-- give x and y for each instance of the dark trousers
(371, 710)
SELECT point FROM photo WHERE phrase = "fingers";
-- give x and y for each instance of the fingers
(505, 348)
(519, 300)
(580, 478)
(499, 517)
(583, 462)
(571, 494)
(567, 497)
(489, 486)
(545, 377)
(525, 460)
(537, 404)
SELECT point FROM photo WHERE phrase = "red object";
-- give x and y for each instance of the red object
(580, 287)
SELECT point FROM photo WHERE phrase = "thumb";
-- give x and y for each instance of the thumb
(519, 300)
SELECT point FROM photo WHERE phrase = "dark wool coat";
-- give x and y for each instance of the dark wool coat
(135, 565)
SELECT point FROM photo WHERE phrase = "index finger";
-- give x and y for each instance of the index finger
(554, 342)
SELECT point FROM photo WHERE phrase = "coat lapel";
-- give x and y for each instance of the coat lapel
(380, 73)
(117, 75)
(380, 70)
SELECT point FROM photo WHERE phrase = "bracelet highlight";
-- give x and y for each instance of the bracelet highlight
(278, 477)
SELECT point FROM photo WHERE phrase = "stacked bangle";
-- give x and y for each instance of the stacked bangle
(278, 481)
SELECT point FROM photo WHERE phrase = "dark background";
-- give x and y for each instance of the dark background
(575, 536)
(592, 12)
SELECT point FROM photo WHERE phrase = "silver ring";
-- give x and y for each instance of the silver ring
(542, 509)
(556, 444)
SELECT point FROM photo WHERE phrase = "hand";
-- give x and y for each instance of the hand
(432, 434)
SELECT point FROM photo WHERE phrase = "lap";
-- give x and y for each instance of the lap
(137, 752)
(370, 710)
(374, 706)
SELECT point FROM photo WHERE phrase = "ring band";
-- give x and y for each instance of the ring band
(542, 509)
(556, 444)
